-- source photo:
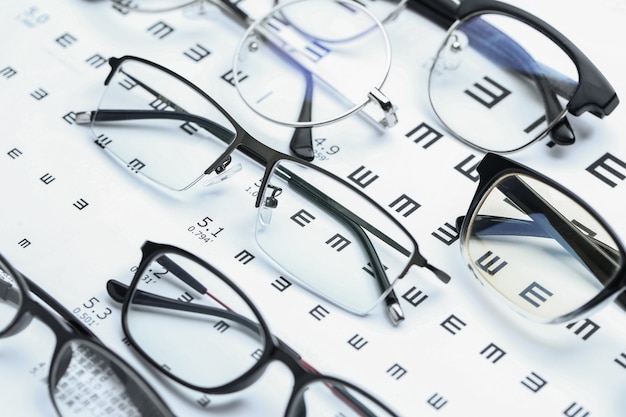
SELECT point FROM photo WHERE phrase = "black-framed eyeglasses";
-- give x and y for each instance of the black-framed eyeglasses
(308, 63)
(221, 327)
(504, 78)
(542, 248)
(86, 378)
(169, 131)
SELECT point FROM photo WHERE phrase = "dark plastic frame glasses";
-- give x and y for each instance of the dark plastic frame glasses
(590, 93)
(538, 245)
(218, 310)
(119, 387)
(289, 186)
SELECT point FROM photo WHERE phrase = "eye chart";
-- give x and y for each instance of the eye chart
(73, 218)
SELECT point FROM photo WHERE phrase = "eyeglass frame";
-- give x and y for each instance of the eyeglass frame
(594, 93)
(274, 349)
(301, 142)
(269, 158)
(493, 168)
(66, 328)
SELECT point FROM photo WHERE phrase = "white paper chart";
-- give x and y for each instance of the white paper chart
(73, 218)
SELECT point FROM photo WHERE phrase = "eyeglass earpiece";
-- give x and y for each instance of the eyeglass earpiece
(562, 133)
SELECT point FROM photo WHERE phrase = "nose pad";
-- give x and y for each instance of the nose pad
(265, 215)
(451, 55)
(269, 204)
(223, 175)
(251, 45)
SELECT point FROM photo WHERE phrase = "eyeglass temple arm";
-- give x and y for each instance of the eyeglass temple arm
(117, 291)
(560, 228)
(505, 51)
(105, 115)
(356, 224)
(301, 143)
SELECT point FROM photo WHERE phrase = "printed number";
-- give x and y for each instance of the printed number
(91, 303)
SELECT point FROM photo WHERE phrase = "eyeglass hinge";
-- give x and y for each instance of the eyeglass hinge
(389, 110)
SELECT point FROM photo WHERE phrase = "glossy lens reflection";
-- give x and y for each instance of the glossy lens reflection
(191, 323)
(159, 127)
(499, 84)
(311, 62)
(539, 248)
(330, 237)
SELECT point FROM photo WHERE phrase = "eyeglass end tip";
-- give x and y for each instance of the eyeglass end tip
(443, 276)
(83, 117)
(395, 313)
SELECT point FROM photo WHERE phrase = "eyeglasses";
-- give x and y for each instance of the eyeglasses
(503, 78)
(85, 377)
(219, 324)
(383, 9)
(308, 63)
(169, 131)
(313, 62)
(539, 246)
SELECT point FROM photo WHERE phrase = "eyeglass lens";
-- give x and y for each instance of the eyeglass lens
(184, 312)
(540, 249)
(499, 84)
(312, 62)
(364, 252)
(85, 380)
(159, 127)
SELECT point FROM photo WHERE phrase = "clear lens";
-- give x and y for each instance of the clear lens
(330, 237)
(333, 398)
(86, 380)
(153, 5)
(192, 324)
(160, 127)
(291, 59)
(10, 298)
(540, 249)
(499, 84)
